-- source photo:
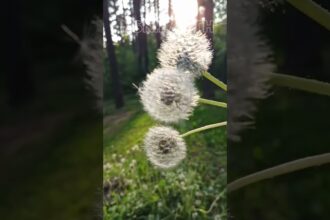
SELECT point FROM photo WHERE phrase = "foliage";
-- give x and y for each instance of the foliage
(219, 44)
(127, 65)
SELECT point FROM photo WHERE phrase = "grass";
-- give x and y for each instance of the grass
(50, 143)
(134, 189)
(51, 187)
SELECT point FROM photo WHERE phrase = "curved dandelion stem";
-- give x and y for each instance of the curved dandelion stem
(313, 10)
(279, 170)
(300, 83)
(204, 128)
(217, 82)
(212, 102)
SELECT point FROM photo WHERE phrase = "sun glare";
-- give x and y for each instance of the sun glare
(185, 12)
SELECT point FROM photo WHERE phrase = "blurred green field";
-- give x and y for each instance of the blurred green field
(134, 189)
(47, 177)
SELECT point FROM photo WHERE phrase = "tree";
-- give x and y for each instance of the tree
(171, 23)
(114, 74)
(142, 46)
(157, 26)
(205, 24)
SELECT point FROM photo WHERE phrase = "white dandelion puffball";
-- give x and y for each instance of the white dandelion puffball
(164, 146)
(168, 95)
(187, 50)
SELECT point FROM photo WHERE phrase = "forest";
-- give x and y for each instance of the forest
(275, 55)
(76, 120)
(134, 188)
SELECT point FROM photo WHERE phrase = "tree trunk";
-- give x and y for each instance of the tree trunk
(145, 41)
(114, 74)
(143, 61)
(158, 30)
(158, 35)
(171, 22)
(207, 28)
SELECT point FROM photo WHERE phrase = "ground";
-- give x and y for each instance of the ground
(134, 189)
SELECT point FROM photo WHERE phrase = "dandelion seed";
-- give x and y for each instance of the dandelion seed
(198, 202)
(182, 183)
(186, 50)
(107, 166)
(164, 147)
(198, 194)
(181, 176)
(135, 147)
(132, 164)
(168, 96)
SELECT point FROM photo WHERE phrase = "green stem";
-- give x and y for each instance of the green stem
(280, 170)
(313, 10)
(217, 82)
(212, 102)
(204, 128)
(300, 83)
(214, 203)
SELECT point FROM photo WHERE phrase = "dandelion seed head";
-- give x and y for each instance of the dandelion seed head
(164, 146)
(168, 95)
(249, 65)
(186, 49)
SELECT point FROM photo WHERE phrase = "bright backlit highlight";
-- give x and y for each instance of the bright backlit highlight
(185, 12)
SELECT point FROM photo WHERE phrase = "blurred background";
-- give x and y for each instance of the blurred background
(289, 124)
(51, 125)
(50, 129)
(133, 188)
